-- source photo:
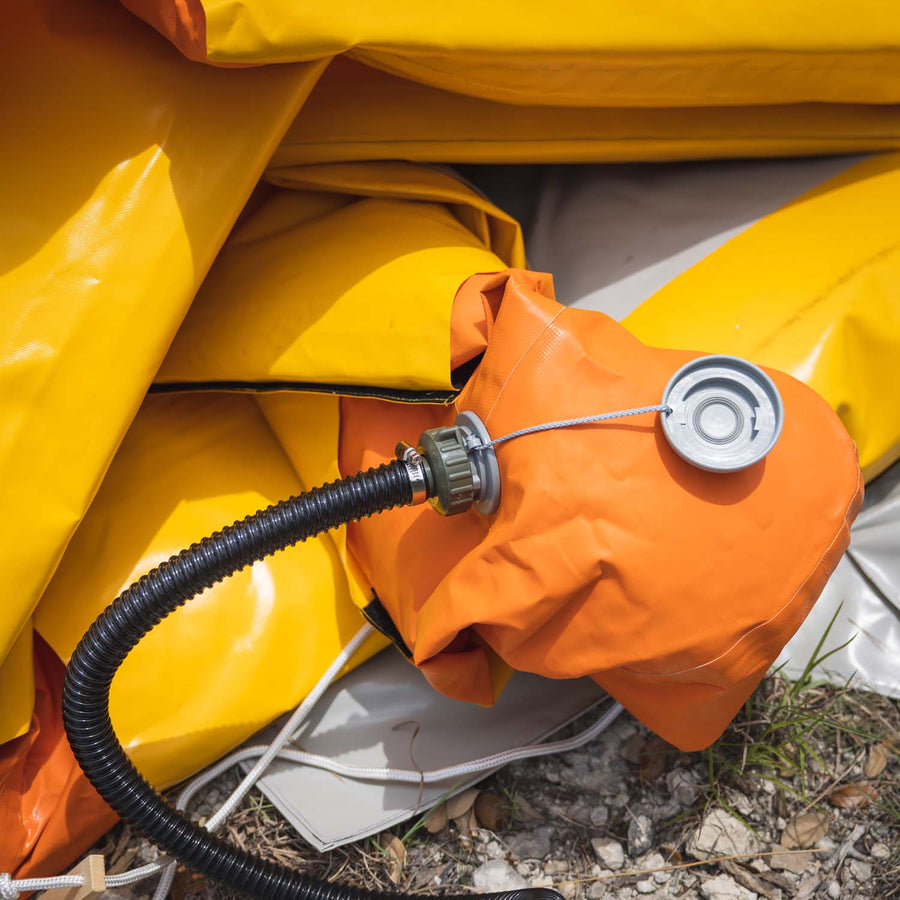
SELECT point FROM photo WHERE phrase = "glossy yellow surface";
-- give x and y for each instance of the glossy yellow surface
(356, 112)
(251, 647)
(699, 52)
(812, 289)
(17, 685)
(353, 289)
(244, 651)
(124, 167)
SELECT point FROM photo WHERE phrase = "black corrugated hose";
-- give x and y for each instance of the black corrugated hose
(142, 606)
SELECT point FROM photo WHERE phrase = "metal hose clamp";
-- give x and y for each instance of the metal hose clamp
(415, 468)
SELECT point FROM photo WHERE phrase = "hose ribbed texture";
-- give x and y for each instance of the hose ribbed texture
(138, 609)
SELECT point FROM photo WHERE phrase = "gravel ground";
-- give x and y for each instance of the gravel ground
(800, 798)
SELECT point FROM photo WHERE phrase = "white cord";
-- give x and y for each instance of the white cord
(10, 890)
(378, 774)
(266, 753)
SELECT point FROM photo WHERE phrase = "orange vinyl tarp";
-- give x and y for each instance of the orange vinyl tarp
(609, 556)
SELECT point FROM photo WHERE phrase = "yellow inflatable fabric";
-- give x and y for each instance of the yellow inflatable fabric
(359, 113)
(696, 53)
(245, 650)
(812, 289)
(233, 429)
(124, 167)
(352, 272)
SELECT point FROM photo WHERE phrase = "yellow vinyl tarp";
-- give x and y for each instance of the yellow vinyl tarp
(126, 167)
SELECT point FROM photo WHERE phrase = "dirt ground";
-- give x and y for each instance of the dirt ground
(800, 798)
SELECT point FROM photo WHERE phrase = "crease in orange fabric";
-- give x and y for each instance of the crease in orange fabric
(609, 556)
(49, 812)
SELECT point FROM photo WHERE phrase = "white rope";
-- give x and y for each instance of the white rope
(266, 753)
(10, 889)
(569, 423)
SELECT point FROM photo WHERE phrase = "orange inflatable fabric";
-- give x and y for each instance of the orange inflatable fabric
(49, 812)
(609, 556)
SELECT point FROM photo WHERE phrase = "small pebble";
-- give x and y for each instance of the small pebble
(655, 860)
(833, 890)
(861, 871)
(682, 785)
(599, 816)
(645, 887)
(497, 875)
(609, 852)
(640, 835)
(880, 851)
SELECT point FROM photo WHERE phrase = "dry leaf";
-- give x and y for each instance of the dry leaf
(460, 804)
(852, 796)
(673, 857)
(805, 831)
(396, 853)
(790, 862)
(630, 751)
(491, 810)
(877, 761)
(655, 754)
(436, 820)
(466, 823)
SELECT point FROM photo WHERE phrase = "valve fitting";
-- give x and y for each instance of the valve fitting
(457, 465)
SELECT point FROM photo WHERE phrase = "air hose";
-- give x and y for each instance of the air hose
(707, 412)
(410, 479)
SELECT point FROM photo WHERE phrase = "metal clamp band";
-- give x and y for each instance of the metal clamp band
(415, 468)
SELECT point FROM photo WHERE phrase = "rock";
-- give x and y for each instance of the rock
(682, 785)
(596, 891)
(580, 810)
(861, 871)
(556, 867)
(598, 816)
(790, 861)
(497, 875)
(720, 834)
(724, 888)
(833, 890)
(568, 891)
(542, 881)
(645, 887)
(609, 852)
(640, 835)
(531, 844)
(739, 801)
(655, 860)
(808, 886)
(880, 851)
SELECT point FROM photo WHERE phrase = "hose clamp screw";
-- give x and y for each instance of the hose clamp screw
(415, 468)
